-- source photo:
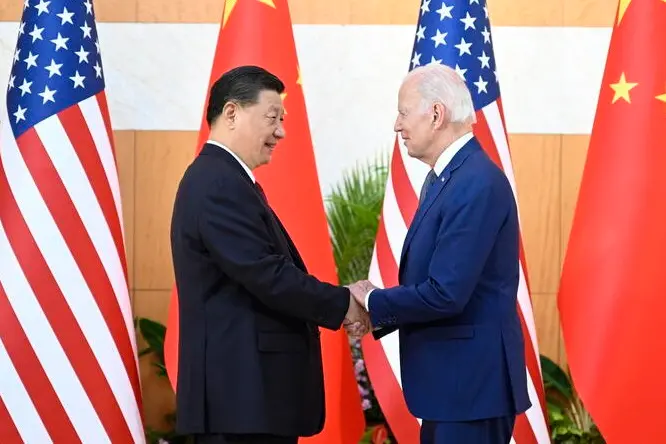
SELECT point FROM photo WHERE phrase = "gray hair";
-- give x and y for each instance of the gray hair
(440, 83)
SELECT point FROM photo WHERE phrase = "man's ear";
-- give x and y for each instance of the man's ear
(230, 113)
(439, 115)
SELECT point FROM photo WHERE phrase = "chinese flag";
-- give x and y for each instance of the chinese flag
(259, 32)
(612, 297)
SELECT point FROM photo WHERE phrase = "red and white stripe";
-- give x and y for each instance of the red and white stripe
(382, 357)
(67, 344)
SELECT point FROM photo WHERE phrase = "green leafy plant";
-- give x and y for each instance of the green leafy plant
(153, 333)
(371, 435)
(353, 211)
(570, 422)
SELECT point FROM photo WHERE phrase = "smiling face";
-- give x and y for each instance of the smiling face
(258, 129)
(435, 108)
(414, 122)
(245, 113)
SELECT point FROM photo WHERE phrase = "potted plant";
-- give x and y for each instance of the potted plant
(570, 422)
(153, 333)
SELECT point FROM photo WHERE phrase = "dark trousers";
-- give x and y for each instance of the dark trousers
(229, 438)
(486, 431)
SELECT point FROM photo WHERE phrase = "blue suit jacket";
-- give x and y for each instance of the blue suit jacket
(461, 343)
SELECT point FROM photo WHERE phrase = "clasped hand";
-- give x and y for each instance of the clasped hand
(357, 321)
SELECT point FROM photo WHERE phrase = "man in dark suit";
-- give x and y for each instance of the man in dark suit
(461, 345)
(250, 365)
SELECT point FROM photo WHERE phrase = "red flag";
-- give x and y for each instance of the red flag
(611, 299)
(68, 360)
(259, 32)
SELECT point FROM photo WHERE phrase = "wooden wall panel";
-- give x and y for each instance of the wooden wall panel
(124, 143)
(159, 399)
(547, 322)
(502, 12)
(115, 10)
(589, 12)
(536, 160)
(180, 11)
(105, 10)
(156, 390)
(547, 169)
(574, 152)
(357, 12)
(308, 11)
(547, 174)
(525, 13)
(161, 159)
(10, 11)
(152, 304)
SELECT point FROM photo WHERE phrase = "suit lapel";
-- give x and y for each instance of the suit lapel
(282, 236)
(437, 187)
(286, 239)
(279, 232)
(422, 210)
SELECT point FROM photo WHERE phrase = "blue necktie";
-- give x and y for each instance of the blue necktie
(429, 180)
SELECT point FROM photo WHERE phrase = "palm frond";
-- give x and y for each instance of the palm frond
(353, 210)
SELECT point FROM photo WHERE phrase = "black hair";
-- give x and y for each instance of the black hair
(241, 85)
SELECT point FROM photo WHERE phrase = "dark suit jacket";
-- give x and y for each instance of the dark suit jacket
(249, 348)
(461, 345)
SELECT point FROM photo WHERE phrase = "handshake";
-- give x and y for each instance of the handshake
(357, 321)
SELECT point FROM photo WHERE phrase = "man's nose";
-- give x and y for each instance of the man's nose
(279, 132)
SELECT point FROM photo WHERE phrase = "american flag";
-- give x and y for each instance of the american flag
(67, 345)
(455, 33)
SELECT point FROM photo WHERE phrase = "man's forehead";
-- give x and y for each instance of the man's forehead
(407, 96)
(270, 100)
(269, 96)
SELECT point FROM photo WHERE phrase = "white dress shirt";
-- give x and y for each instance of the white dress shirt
(441, 163)
(245, 167)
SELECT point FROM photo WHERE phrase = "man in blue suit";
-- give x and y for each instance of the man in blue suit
(461, 344)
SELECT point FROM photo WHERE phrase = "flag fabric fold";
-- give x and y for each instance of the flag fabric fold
(259, 32)
(455, 33)
(611, 297)
(67, 342)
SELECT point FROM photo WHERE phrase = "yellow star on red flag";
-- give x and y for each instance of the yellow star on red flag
(622, 88)
(622, 9)
(662, 97)
(229, 6)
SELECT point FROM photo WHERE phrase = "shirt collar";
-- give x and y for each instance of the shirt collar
(245, 167)
(450, 152)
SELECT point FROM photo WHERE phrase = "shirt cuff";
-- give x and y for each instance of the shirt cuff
(367, 300)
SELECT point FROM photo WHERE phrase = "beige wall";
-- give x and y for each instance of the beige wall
(547, 167)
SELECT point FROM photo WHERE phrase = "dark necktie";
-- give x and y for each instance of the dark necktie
(276, 220)
(261, 191)
(429, 180)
